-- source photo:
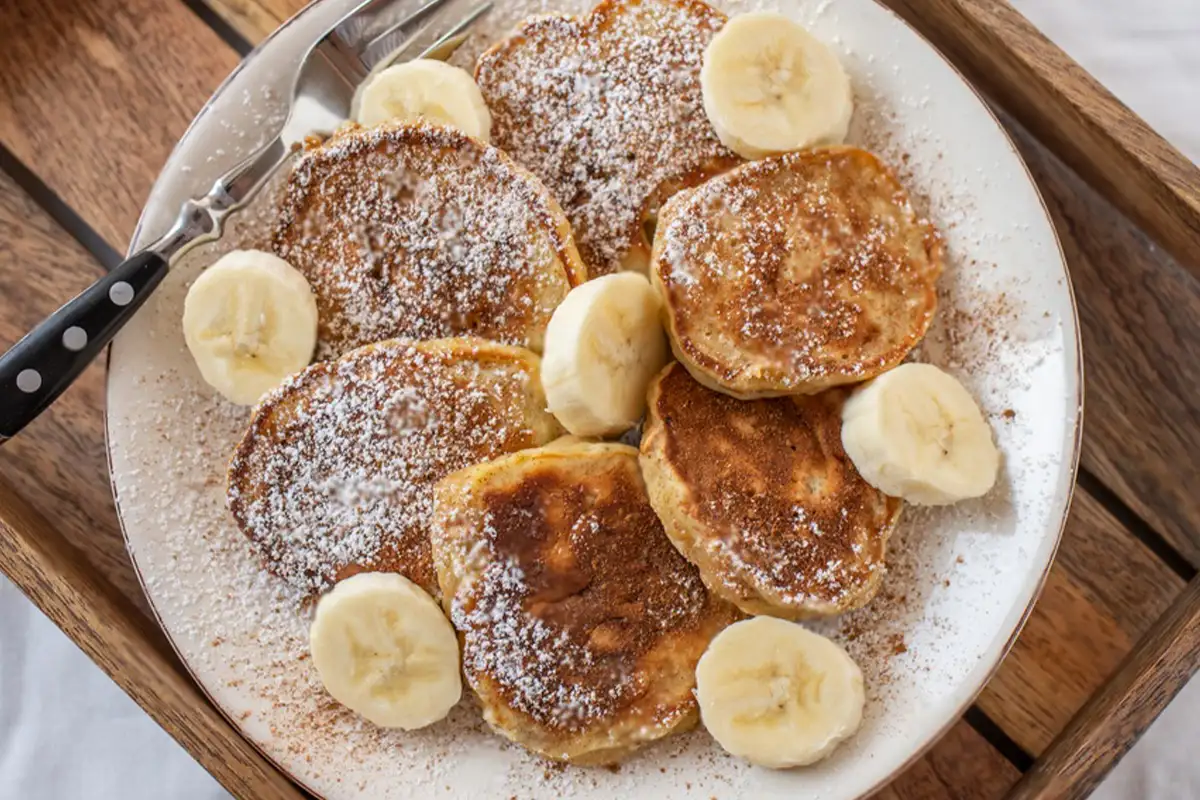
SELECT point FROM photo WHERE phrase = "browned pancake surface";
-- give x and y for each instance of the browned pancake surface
(606, 110)
(418, 231)
(762, 497)
(581, 624)
(335, 474)
(796, 273)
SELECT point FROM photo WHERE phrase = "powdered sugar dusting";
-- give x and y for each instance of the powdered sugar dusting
(524, 654)
(336, 472)
(798, 272)
(580, 622)
(763, 496)
(958, 578)
(606, 110)
(420, 232)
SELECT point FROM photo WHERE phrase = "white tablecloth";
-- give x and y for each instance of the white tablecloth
(66, 731)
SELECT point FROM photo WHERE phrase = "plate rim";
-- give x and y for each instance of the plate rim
(1076, 437)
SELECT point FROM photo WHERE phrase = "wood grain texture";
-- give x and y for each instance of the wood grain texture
(1140, 315)
(59, 464)
(256, 19)
(128, 647)
(1071, 112)
(961, 766)
(93, 96)
(1104, 591)
(1114, 719)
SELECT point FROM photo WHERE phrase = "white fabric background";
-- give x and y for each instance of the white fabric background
(66, 731)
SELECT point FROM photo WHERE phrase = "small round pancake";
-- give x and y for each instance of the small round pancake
(581, 625)
(417, 231)
(606, 109)
(795, 273)
(335, 474)
(761, 497)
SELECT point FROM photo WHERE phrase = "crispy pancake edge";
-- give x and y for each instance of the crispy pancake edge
(748, 381)
(676, 504)
(281, 400)
(637, 256)
(295, 202)
(613, 739)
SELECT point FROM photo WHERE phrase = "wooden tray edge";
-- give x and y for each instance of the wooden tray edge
(1119, 713)
(1069, 111)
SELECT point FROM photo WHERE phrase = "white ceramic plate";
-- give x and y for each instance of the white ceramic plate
(961, 578)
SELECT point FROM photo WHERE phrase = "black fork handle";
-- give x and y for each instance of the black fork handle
(37, 369)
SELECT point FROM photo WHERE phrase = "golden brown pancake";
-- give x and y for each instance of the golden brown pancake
(606, 110)
(580, 624)
(419, 231)
(796, 273)
(761, 497)
(335, 474)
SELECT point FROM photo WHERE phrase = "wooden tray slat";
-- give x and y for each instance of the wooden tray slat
(1070, 111)
(1117, 716)
(1105, 590)
(256, 19)
(1140, 314)
(962, 766)
(93, 97)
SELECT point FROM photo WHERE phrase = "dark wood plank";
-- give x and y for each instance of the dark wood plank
(94, 95)
(1069, 110)
(128, 647)
(1116, 717)
(1104, 591)
(1140, 314)
(962, 766)
(1117, 575)
(256, 19)
(58, 464)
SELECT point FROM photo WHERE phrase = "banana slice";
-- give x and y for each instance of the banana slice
(770, 87)
(604, 344)
(383, 649)
(778, 694)
(426, 88)
(915, 432)
(249, 320)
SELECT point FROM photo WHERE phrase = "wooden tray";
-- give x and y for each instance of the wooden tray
(94, 95)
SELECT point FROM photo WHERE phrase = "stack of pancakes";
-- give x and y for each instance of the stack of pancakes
(585, 579)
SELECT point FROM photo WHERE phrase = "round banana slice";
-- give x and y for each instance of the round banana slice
(383, 649)
(249, 320)
(770, 87)
(916, 433)
(778, 694)
(427, 88)
(604, 345)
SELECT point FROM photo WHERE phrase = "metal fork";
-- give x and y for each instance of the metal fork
(37, 369)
